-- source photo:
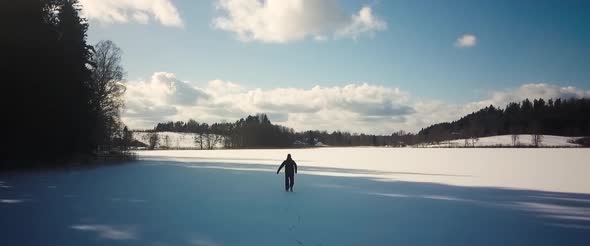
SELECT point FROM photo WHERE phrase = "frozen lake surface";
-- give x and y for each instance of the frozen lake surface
(343, 196)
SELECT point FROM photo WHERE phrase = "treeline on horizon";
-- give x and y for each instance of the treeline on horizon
(251, 132)
(568, 117)
(61, 96)
(258, 132)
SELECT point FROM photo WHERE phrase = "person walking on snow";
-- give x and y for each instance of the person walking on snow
(290, 171)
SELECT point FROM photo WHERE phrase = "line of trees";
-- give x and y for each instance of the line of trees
(569, 117)
(61, 97)
(344, 139)
(251, 132)
(258, 132)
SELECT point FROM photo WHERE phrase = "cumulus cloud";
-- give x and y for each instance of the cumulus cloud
(351, 107)
(159, 98)
(219, 87)
(140, 11)
(166, 88)
(281, 21)
(363, 22)
(466, 41)
(533, 91)
(356, 107)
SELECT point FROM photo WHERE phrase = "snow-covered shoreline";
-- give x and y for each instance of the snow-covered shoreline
(553, 169)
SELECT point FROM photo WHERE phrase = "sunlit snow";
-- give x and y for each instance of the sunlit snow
(342, 196)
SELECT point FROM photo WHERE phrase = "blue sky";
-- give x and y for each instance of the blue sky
(409, 45)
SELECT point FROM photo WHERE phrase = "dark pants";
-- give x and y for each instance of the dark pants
(289, 181)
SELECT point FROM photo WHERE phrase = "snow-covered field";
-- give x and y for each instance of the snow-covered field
(561, 170)
(343, 196)
(506, 140)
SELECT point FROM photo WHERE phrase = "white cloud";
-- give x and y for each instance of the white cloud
(157, 99)
(141, 17)
(165, 88)
(363, 22)
(533, 91)
(140, 11)
(466, 41)
(218, 87)
(281, 21)
(356, 107)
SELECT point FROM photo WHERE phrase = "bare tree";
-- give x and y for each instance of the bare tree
(208, 141)
(536, 139)
(126, 139)
(474, 140)
(470, 141)
(214, 140)
(198, 139)
(515, 139)
(166, 142)
(106, 85)
(227, 142)
(154, 140)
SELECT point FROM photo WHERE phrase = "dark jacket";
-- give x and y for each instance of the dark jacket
(290, 166)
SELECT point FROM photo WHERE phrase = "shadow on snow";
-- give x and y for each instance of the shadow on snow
(180, 203)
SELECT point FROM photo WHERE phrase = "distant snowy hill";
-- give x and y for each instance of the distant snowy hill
(506, 140)
(174, 140)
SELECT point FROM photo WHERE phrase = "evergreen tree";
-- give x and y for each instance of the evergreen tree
(48, 61)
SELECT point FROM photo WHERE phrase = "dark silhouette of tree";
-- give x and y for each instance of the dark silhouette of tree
(47, 87)
(570, 117)
(47, 57)
(127, 139)
(536, 140)
(107, 90)
(75, 112)
(515, 139)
